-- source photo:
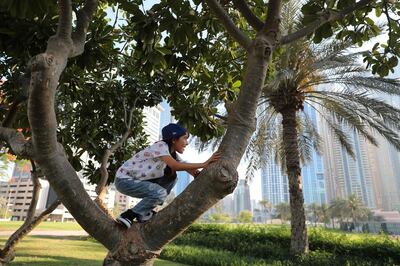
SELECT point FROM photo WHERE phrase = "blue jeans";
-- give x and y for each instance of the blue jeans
(153, 192)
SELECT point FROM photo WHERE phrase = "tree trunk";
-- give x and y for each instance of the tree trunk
(142, 243)
(299, 238)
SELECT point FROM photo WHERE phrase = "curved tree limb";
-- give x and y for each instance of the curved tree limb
(65, 26)
(46, 71)
(250, 17)
(325, 18)
(84, 16)
(219, 178)
(234, 31)
(101, 187)
(19, 145)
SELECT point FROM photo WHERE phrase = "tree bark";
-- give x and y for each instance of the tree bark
(142, 243)
(299, 238)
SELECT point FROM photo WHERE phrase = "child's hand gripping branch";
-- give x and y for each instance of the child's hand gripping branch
(215, 157)
(151, 173)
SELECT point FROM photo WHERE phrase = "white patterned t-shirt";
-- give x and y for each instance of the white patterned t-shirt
(147, 163)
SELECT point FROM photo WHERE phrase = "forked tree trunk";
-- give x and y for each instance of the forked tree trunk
(142, 243)
(299, 238)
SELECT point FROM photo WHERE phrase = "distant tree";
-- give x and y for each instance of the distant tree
(283, 211)
(324, 214)
(337, 209)
(313, 209)
(356, 208)
(267, 206)
(220, 218)
(4, 214)
(245, 217)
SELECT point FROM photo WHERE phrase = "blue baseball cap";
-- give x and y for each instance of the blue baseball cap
(172, 130)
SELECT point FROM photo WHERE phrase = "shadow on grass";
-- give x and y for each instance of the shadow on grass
(81, 238)
(54, 261)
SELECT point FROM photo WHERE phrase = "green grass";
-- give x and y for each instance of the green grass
(44, 226)
(269, 245)
(65, 251)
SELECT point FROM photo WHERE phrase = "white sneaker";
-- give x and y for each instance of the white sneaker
(145, 218)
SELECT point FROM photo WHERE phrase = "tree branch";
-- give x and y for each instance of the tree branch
(19, 145)
(273, 18)
(84, 16)
(65, 22)
(325, 18)
(234, 31)
(12, 111)
(100, 189)
(250, 17)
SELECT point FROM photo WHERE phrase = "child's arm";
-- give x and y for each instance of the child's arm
(179, 166)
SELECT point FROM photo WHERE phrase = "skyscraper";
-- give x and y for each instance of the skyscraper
(274, 184)
(313, 172)
(242, 197)
(346, 175)
(385, 164)
(152, 122)
(274, 180)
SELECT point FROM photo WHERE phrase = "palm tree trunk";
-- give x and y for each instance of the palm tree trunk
(299, 239)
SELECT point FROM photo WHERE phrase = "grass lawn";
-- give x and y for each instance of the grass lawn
(65, 251)
(45, 226)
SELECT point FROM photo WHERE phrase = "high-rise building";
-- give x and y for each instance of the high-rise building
(152, 117)
(385, 167)
(346, 175)
(166, 116)
(241, 197)
(274, 184)
(312, 173)
(18, 194)
(274, 180)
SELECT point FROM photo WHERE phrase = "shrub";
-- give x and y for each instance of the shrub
(266, 242)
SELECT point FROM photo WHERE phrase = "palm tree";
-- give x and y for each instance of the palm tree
(283, 211)
(334, 84)
(331, 80)
(313, 209)
(324, 214)
(266, 205)
(338, 209)
(356, 208)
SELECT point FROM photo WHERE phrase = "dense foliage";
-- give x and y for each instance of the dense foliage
(269, 245)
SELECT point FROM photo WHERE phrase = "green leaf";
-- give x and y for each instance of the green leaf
(237, 84)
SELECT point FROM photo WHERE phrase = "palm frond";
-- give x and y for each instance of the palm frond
(336, 128)
(258, 150)
(366, 107)
(311, 131)
(304, 142)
